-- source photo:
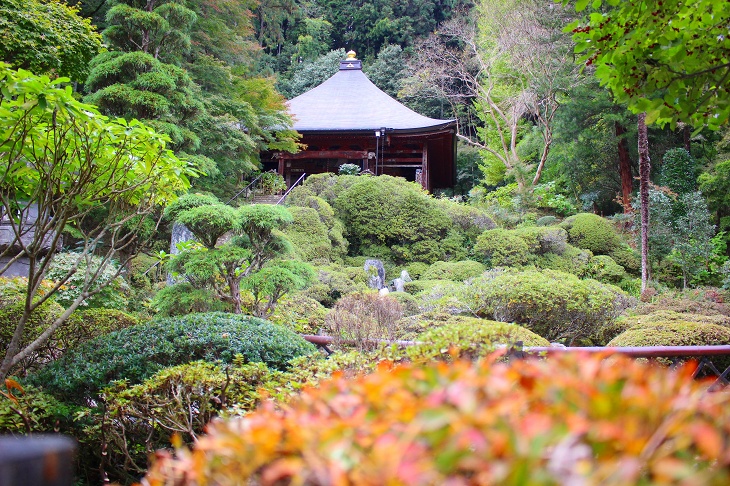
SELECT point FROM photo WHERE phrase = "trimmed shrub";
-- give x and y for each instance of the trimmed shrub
(181, 400)
(624, 323)
(136, 353)
(456, 271)
(604, 269)
(628, 258)
(408, 303)
(418, 286)
(417, 269)
(470, 338)
(592, 232)
(308, 235)
(502, 248)
(468, 220)
(565, 420)
(334, 282)
(182, 299)
(572, 260)
(673, 333)
(677, 333)
(546, 221)
(300, 314)
(558, 306)
(395, 214)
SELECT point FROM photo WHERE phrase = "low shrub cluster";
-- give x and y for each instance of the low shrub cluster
(592, 232)
(456, 271)
(361, 319)
(137, 420)
(470, 338)
(558, 306)
(138, 352)
(566, 420)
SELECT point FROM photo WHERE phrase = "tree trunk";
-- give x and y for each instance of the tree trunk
(624, 167)
(644, 172)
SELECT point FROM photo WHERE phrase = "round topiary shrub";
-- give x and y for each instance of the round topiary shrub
(572, 260)
(136, 353)
(299, 313)
(456, 271)
(604, 269)
(677, 333)
(564, 420)
(592, 232)
(501, 248)
(470, 338)
(558, 306)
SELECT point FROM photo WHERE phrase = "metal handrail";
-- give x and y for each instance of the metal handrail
(301, 177)
(245, 188)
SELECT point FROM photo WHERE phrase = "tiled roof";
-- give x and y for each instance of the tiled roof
(349, 101)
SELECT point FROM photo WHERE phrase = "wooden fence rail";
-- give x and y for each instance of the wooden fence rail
(703, 354)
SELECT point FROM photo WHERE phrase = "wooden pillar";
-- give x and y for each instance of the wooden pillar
(280, 170)
(426, 173)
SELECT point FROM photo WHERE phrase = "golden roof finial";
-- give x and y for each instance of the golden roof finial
(351, 55)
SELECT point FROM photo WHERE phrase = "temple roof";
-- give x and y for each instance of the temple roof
(349, 101)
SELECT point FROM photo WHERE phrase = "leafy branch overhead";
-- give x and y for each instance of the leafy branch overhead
(670, 59)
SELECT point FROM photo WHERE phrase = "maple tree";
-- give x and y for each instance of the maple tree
(670, 59)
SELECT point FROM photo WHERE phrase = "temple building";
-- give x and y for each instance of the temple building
(347, 119)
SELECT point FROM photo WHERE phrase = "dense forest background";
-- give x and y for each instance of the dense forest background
(564, 119)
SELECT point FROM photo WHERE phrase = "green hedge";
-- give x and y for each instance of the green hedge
(592, 232)
(138, 352)
(555, 305)
(456, 271)
(469, 337)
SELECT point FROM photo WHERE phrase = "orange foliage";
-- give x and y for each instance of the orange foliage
(568, 420)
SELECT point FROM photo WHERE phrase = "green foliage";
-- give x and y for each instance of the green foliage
(183, 399)
(469, 338)
(310, 236)
(182, 298)
(555, 305)
(409, 226)
(33, 411)
(591, 232)
(136, 353)
(457, 271)
(470, 221)
(47, 37)
(676, 333)
(668, 60)
(677, 171)
(275, 280)
(547, 197)
(546, 221)
(310, 73)
(11, 312)
(502, 248)
(208, 223)
(113, 291)
(604, 269)
(348, 169)
(299, 313)
(572, 260)
(334, 282)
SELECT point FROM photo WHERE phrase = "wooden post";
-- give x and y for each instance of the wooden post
(426, 172)
(41, 460)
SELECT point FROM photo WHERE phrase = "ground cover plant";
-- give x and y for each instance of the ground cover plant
(569, 419)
